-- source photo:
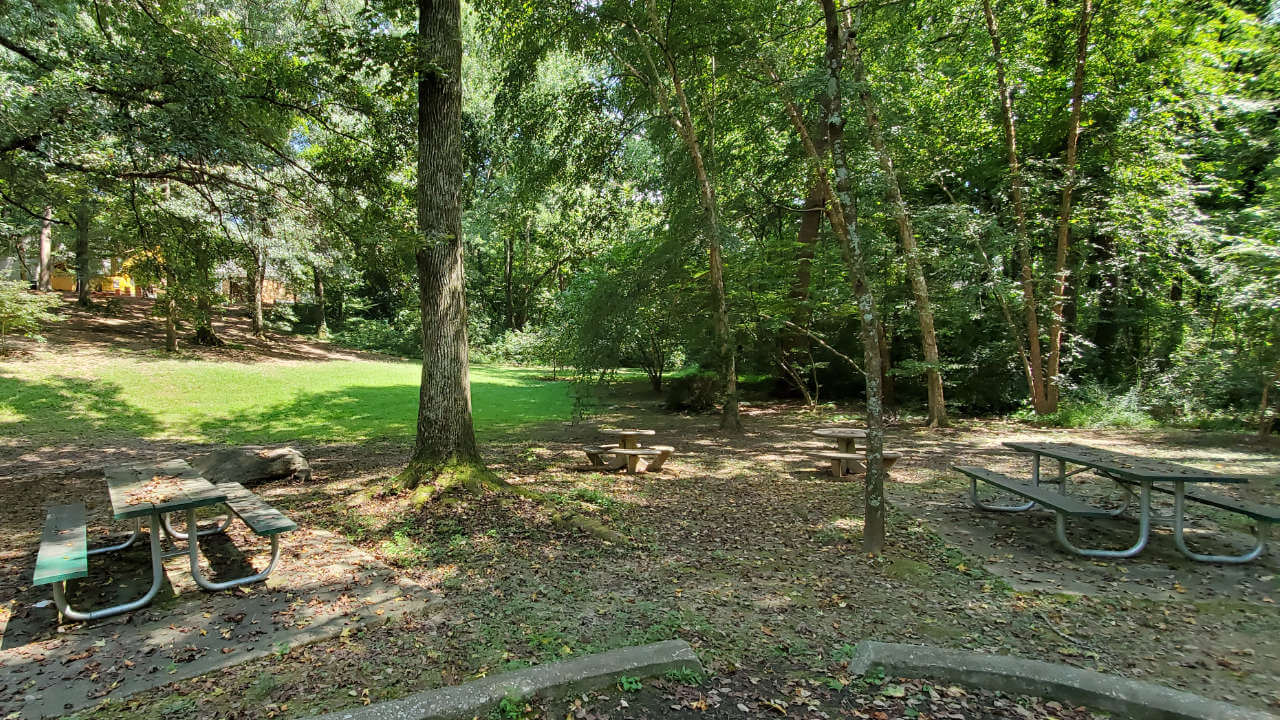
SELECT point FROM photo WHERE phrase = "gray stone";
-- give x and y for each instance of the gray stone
(1126, 698)
(252, 464)
(558, 679)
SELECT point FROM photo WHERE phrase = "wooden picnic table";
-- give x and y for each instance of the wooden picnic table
(1126, 470)
(630, 439)
(846, 438)
(152, 490)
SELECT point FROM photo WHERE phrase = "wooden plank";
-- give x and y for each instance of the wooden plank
(1041, 494)
(64, 545)
(1122, 464)
(255, 512)
(140, 490)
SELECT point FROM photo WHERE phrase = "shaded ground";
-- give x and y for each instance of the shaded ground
(323, 587)
(741, 548)
(814, 694)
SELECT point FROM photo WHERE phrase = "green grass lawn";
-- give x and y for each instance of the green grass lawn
(339, 401)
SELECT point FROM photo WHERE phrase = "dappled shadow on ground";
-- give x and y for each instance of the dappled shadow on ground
(739, 546)
(321, 587)
(130, 324)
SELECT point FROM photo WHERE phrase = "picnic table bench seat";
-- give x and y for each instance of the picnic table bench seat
(1257, 511)
(596, 453)
(633, 455)
(845, 462)
(64, 545)
(254, 512)
(259, 517)
(1265, 515)
(1063, 506)
(664, 452)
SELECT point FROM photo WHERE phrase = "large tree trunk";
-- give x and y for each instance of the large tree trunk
(1264, 408)
(84, 274)
(1030, 353)
(44, 270)
(445, 452)
(1060, 271)
(839, 209)
(322, 328)
(906, 235)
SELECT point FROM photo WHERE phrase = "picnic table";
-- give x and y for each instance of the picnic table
(627, 452)
(846, 438)
(150, 492)
(1148, 474)
(630, 439)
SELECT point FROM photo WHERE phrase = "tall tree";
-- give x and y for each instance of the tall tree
(1029, 353)
(1061, 272)
(445, 451)
(44, 266)
(937, 416)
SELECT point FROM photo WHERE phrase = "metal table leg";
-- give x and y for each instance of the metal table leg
(137, 530)
(157, 576)
(1179, 524)
(1144, 531)
(973, 495)
(168, 527)
(194, 548)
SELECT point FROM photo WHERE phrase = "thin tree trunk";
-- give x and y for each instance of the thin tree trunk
(1033, 362)
(83, 269)
(258, 281)
(445, 451)
(1264, 415)
(20, 249)
(44, 271)
(839, 206)
(322, 328)
(1060, 272)
(806, 243)
(683, 122)
(885, 341)
(906, 235)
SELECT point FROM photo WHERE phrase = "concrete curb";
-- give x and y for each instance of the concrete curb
(1124, 697)
(476, 698)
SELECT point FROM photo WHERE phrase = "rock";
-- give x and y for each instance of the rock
(252, 464)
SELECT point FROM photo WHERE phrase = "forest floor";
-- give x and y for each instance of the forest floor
(739, 547)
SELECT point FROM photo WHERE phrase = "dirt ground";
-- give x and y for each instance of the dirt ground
(742, 548)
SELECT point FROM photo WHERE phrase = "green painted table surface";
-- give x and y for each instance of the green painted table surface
(144, 490)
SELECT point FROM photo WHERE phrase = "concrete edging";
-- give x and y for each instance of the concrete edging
(558, 679)
(1128, 698)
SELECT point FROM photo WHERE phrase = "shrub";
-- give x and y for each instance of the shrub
(24, 312)
(696, 392)
(379, 336)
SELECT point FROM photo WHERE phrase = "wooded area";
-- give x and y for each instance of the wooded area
(991, 205)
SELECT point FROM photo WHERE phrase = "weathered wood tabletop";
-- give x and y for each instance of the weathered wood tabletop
(1130, 467)
(143, 490)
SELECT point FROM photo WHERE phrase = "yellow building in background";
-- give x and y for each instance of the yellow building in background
(114, 281)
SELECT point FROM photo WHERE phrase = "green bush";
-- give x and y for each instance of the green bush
(379, 336)
(24, 312)
(1095, 406)
(696, 392)
(514, 347)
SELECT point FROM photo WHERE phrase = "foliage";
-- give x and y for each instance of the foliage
(695, 392)
(24, 312)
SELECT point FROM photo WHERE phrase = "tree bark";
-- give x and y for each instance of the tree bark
(322, 328)
(445, 451)
(839, 208)
(44, 269)
(906, 235)
(1060, 271)
(1033, 366)
(1264, 416)
(84, 273)
(683, 122)
(257, 279)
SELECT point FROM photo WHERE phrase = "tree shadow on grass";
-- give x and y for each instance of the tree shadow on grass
(363, 412)
(64, 408)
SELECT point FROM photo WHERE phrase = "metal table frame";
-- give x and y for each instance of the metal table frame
(1144, 472)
